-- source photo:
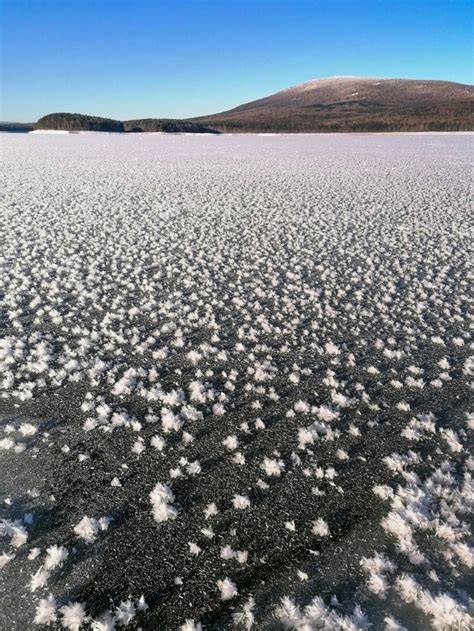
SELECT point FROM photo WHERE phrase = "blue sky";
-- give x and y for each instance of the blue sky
(178, 58)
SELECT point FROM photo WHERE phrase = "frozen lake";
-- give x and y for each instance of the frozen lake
(235, 376)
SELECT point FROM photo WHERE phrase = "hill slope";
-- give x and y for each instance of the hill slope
(355, 104)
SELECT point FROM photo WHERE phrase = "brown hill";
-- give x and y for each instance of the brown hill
(341, 104)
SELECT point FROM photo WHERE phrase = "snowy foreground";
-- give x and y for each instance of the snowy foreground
(235, 378)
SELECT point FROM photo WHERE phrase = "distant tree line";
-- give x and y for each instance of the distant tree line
(274, 120)
(17, 127)
(166, 125)
(83, 122)
(313, 124)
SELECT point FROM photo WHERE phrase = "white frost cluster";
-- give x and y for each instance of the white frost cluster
(89, 527)
(162, 498)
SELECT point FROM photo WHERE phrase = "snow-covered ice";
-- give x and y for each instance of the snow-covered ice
(235, 375)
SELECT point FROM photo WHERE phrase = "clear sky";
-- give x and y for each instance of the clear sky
(179, 58)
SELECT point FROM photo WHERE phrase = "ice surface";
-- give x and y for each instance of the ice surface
(235, 379)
